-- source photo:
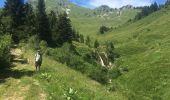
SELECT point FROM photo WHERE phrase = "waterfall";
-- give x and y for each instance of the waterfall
(104, 59)
(101, 61)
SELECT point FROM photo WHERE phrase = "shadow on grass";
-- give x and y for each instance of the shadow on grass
(17, 74)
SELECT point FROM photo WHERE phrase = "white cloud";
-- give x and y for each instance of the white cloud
(120, 3)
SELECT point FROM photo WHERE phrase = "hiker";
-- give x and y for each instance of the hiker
(38, 60)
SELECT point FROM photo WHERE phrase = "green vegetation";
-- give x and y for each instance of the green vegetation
(88, 21)
(5, 43)
(144, 50)
(129, 62)
(91, 25)
(55, 81)
(103, 29)
(147, 10)
(43, 29)
(84, 59)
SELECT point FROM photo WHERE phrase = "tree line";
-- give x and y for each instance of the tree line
(21, 21)
(147, 10)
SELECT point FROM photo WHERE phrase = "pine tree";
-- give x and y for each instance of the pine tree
(14, 9)
(66, 33)
(53, 23)
(110, 51)
(30, 19)
(43, 28)
(2, 29)
(103, 29)
(154, 7)
(96, 44)
(52, 20)
(167, 3)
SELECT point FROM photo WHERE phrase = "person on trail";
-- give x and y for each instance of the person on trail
(38, 60)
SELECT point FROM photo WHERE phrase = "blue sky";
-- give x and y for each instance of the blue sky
(115, 3)
(111, 3)
(1, 3)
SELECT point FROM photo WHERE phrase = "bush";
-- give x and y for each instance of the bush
(67, 55)
(83, 59)
(5, 42)
(43, 46)
(101, 75)
(33, 42)
(103, 29)
(96, 44)
(71, 94)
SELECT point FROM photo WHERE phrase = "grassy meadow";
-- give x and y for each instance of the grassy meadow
(56, 81)
(144, 49)
(90, 25)
(72, 71)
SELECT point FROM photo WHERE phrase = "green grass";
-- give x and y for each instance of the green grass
(54, 82)
(144, 49)
(63, 78)
(90, 25)
(84, 20)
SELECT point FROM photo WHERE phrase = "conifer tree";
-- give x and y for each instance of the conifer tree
(110, 51)
(43, 28)
(153, 7)
(30, 19)
(2, 29)
(66, 33)
(53, 21)
(14, 9)
(167, 3)
(146, 10)
(96, 44)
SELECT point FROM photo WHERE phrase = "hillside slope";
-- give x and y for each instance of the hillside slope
(88, 21)
(55, 82)
(144, 47)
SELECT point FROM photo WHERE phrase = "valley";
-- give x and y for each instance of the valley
(130, 60)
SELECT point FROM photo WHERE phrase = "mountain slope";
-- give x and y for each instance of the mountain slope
(144, 48)
(88, 21)
(90, 25)
(63, 5)
(55, 82)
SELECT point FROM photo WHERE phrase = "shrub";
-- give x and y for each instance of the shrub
(110, 50)
(33, 42)
(5, 42)
(46, 76)
(43, 46)
(66, 54)
(83, 59)
(103, 29)
(71, 94)
(96, 44)
(114, 73)
(101, 75)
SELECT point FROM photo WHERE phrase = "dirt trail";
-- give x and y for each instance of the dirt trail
(19, 83)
